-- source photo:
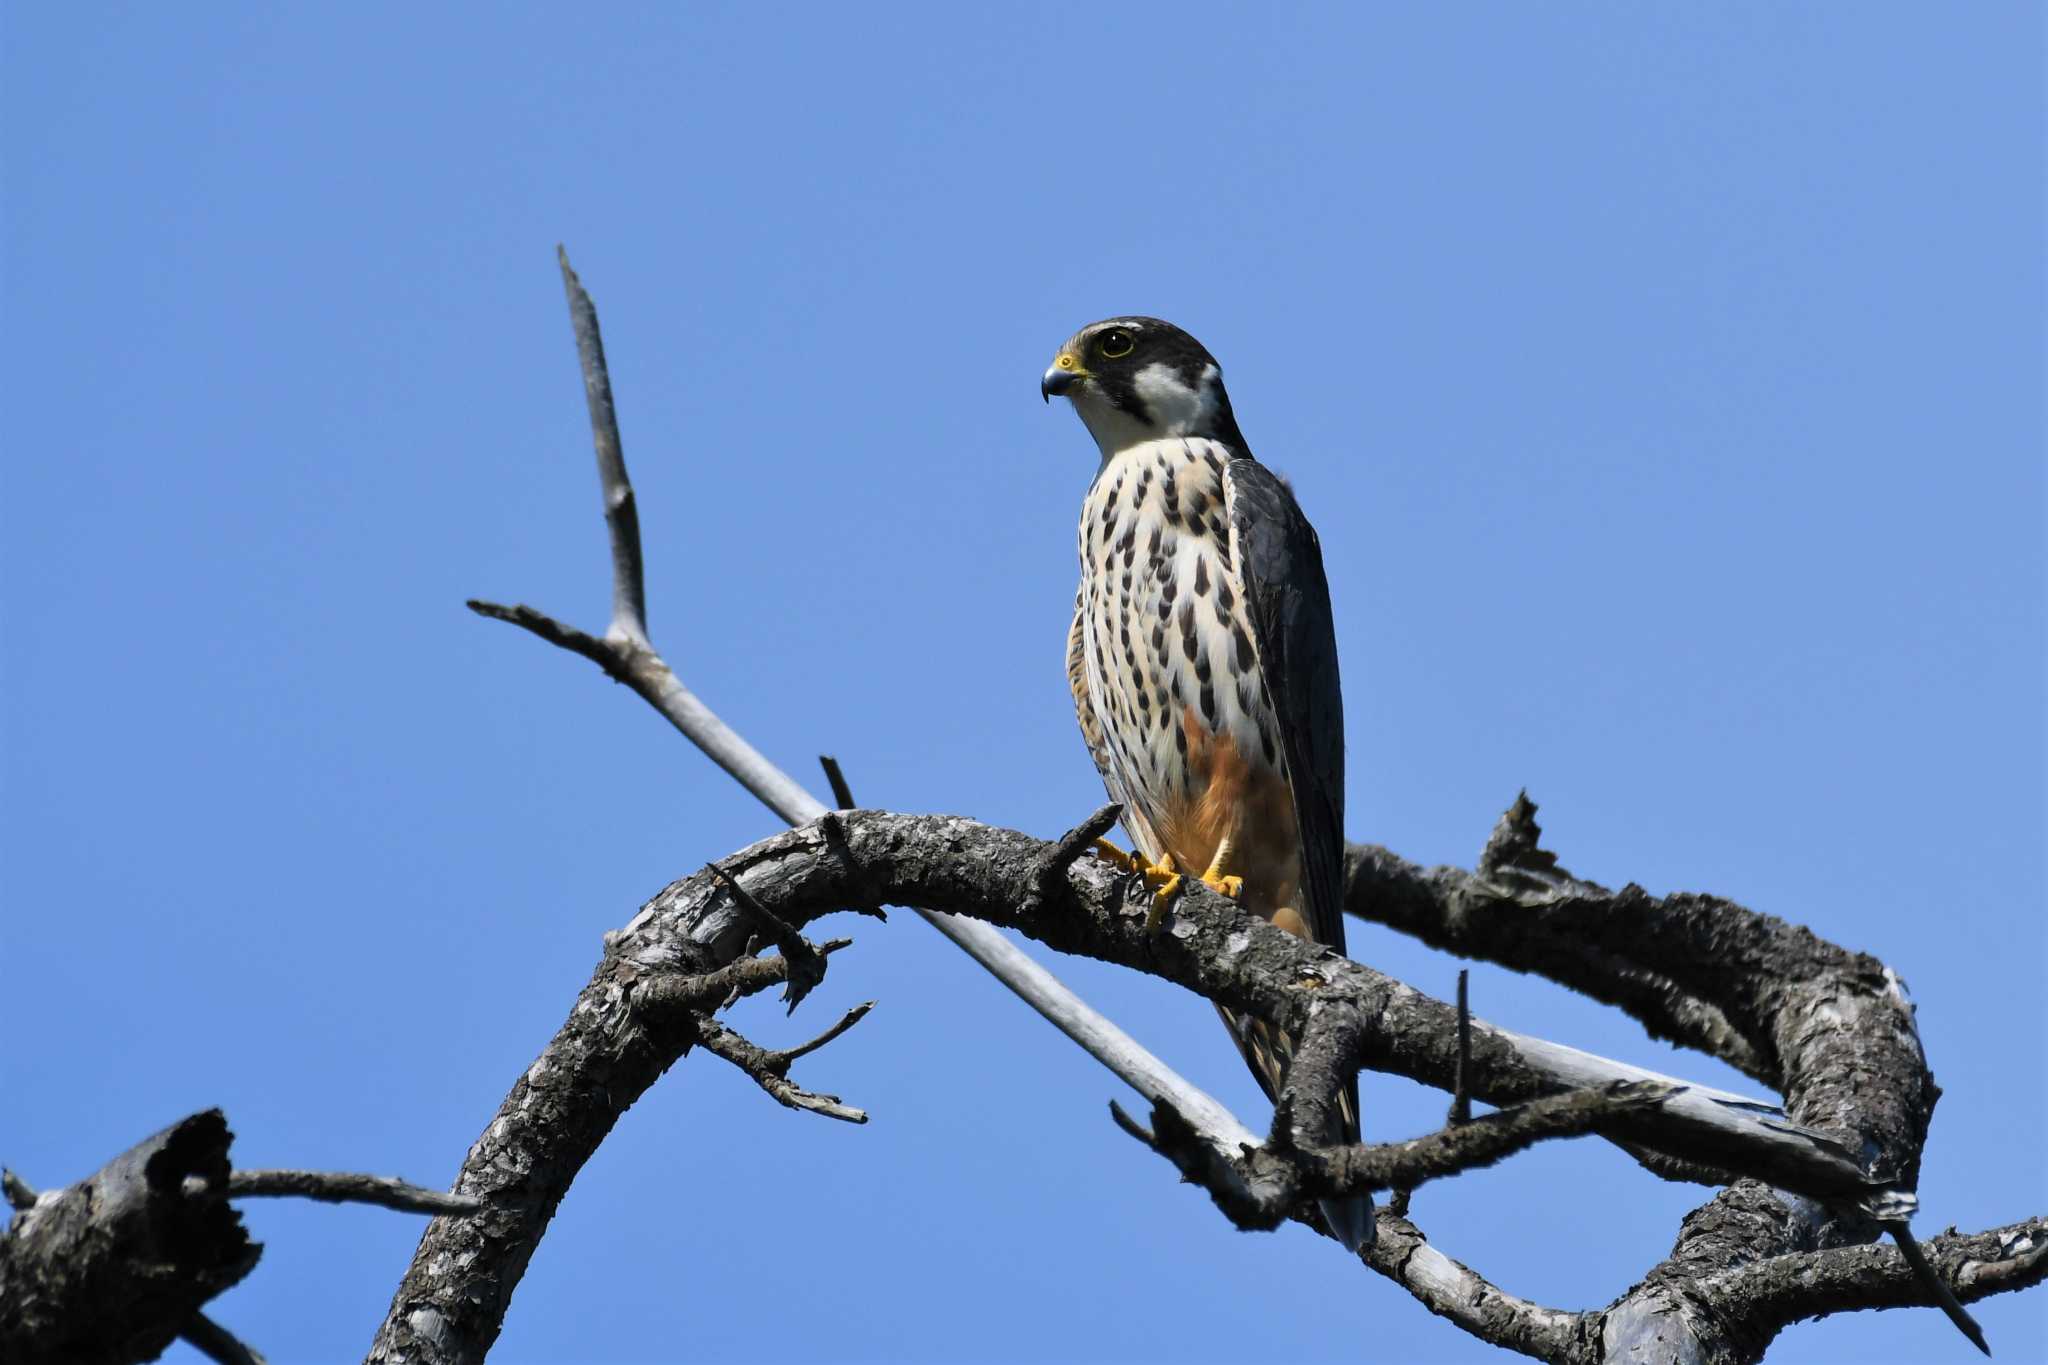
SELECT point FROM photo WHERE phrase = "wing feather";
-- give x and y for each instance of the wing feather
(1279, 561)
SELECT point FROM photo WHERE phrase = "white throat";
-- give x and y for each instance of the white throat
(1175, 409)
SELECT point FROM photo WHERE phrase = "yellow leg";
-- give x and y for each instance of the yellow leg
(1216, 880)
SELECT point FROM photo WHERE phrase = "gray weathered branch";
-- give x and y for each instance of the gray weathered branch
(1265, 1186)
(770, 1070)
(1519, 910)
(114, 1267)
(346, 1187)
(1464, 1298)
(217, 1343)
(1833, 1030)
(621, 514)
(1782, 1290)
(611, 1048)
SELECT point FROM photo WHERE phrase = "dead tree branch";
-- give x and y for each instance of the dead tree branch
(610, 1049)
(730, 983)
(1467, 1300)
(770, 1070)
(621, 514)
(803, 966)
(1785, 1289)
(842, 795)
(115, 1267)
(1267, 1185)
(1521, 911)
(1813, 1020)
(217, 1343)
(345, 1187)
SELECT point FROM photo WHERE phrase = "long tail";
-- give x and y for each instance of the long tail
(1267, 1051)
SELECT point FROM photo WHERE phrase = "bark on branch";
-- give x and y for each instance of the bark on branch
(770, 1070)
(1268, 1185)
(610, 1049)
(1831, 1029)
(112, 1269)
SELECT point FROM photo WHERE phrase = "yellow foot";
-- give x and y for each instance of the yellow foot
(1164, 880)
(1161, 878)
(1114, 856)
(1214, 878)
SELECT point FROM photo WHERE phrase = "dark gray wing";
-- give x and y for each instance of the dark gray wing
(1287, 599)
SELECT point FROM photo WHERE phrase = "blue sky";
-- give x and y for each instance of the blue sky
(1666, 383)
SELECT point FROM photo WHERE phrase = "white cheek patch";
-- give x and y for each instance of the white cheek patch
(1176, 409)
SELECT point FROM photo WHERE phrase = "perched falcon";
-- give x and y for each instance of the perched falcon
(1202, 655)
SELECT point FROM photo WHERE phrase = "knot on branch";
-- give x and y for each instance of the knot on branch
(803, 964)
(720, 989)
(1514, 858)
(1049, 878)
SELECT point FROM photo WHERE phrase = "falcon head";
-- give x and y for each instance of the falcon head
(1139, 379)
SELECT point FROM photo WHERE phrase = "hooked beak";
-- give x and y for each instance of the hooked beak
(1064, 372)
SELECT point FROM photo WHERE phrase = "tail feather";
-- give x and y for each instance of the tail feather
(1267, 1051)
(1350, 1220)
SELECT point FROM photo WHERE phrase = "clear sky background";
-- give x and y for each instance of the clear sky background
(1666, 382)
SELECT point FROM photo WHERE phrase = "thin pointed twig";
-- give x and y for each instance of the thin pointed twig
(1461, 1094)
(621, 516)
(762, 1066)
(1944, 1296)
(598, 651)
(853, 1016)
(217, 1343)
(842, 795)
(347, 1187)
(1131, 1125)
(1075, 842)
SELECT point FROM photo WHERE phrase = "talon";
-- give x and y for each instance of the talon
(1114, 856)
(1164, 880)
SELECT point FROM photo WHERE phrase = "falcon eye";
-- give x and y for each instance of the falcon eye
(1115, 343)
